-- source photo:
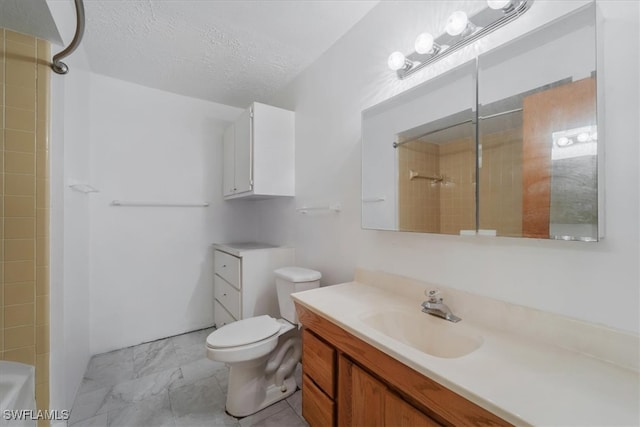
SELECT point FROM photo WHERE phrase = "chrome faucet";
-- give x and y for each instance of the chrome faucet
(436, 307)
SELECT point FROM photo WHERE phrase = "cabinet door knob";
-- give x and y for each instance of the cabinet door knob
(224, 295)
(224, 265)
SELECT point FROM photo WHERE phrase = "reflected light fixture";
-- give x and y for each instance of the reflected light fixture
(583, 137)
(460, 30)
(563, 141)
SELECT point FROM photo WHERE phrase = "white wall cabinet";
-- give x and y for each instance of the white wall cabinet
(259, 154)
(244, 283)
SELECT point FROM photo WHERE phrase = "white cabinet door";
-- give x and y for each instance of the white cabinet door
(228, 158)
(243, 153)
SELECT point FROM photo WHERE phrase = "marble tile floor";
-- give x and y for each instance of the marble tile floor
(169, 382)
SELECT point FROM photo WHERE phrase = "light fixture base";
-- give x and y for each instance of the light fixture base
(485, 21)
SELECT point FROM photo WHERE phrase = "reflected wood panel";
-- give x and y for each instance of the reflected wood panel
(564, 107)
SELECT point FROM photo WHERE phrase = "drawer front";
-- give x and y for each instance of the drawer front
(221, 316)
(318, 361)
(317, 408)
(228, 296)
(228, 267)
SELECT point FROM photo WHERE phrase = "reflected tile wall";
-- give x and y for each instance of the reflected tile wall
(501, 182)
(418, 207)
(24, 205)
(457, 195)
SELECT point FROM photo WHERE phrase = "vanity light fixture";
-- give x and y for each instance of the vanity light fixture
(505, 5)
(460, 30)
(425, 43)
(397, 61)
(458, 24)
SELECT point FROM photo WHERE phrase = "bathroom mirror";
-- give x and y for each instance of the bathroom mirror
(418, 158)
(521, 160)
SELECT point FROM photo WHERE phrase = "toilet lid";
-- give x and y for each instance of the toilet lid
(244, 332)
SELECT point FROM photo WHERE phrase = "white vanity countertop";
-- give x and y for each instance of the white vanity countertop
(524, 381)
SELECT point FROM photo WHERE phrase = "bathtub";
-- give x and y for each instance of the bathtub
(17, 392)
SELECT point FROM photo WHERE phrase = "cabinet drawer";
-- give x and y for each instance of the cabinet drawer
(228, 267)
(318, 361)
(317, 408)
(221, 316)
(227, 295)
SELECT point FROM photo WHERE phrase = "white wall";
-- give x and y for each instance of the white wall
(151, 267)
(69, 222)
(594, 282)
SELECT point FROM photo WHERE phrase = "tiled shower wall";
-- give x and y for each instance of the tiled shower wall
(24, 211)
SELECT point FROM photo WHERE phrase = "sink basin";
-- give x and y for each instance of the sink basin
(435, 337)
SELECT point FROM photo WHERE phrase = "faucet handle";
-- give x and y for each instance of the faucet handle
(434, 295)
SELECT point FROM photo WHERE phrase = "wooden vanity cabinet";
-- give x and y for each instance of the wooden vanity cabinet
(348, 382)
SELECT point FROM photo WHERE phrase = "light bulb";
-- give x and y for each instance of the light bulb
(498, 4)
(424, 43)
(396, 61)
(583, 137)
(456, 23)
(563, 141)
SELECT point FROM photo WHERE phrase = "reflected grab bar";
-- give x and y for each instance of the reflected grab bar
(416, 175)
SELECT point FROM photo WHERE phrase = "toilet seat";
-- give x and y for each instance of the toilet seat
(244, 340)
(244, 332)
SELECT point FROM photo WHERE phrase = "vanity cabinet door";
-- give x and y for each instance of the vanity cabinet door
(365, 395)
(399, 413)
(366, 401)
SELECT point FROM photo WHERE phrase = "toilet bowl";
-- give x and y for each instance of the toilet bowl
(262, 352)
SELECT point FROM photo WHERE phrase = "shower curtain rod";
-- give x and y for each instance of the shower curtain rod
(431, 132)
(57, 65)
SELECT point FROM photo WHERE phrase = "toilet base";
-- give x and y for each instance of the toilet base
(253, 385)
(272, 395)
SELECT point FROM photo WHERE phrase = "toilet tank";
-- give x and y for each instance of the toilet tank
(290, 280)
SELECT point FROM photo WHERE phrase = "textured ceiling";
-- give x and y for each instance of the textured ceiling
(230, 52)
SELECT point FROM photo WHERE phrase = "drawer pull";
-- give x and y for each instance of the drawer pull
(224, 295)
(224, 265)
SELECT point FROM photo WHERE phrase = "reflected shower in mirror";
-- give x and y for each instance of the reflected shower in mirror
(436, 169)
(418, 157)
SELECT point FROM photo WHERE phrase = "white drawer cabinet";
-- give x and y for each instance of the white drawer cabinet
(228, 267)
(244, 283)
(220, 315)
(227, 295)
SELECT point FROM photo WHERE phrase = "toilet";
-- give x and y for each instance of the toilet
(262, 352)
